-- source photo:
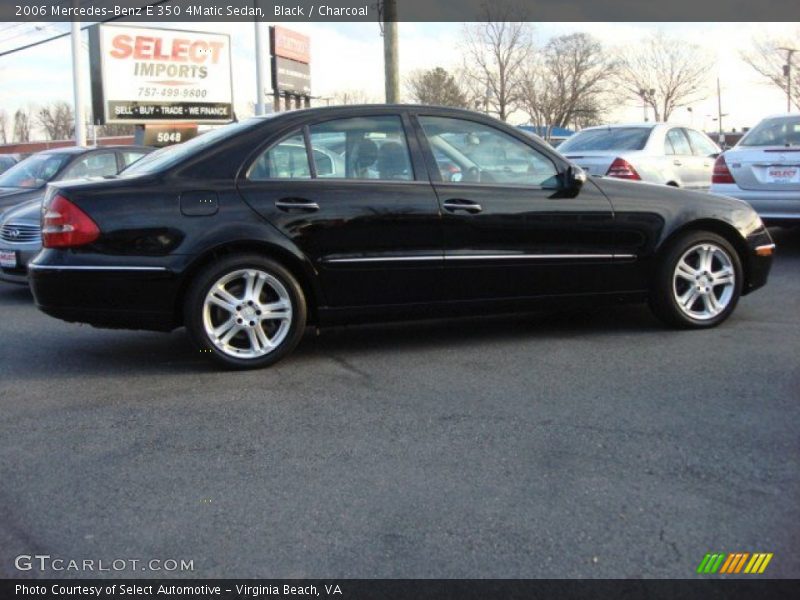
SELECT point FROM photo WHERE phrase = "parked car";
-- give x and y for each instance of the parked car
(217, 235)
(764, 169)
(20, 230)
(28, 178)
(6, 162)
(651, 152)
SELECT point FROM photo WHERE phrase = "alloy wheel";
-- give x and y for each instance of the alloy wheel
(247, 313)
(704, 281)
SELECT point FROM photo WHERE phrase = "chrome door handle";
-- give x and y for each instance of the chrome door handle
(289, 204)
(677, 163)
(465, 205)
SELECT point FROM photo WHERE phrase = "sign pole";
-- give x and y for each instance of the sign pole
(260, 95)
(77, 84)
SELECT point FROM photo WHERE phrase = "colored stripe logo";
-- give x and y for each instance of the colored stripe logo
(734, 563)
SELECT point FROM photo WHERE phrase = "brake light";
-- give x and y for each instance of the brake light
(622, 169)
(64, 225)
(721, 173)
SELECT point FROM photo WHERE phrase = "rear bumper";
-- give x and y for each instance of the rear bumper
(114, 296)
(771, 206)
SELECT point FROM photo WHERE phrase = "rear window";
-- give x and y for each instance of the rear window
(613, 138)
(34, 171)
(781, 131)
(171, 155)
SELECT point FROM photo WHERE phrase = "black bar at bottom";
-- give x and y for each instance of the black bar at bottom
(401, 589)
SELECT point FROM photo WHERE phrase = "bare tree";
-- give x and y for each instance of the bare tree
(663, 73)
(22, 125)
(438, 87)
(495, 52)
(566, 83)
(3, 127)
(352, 96)
(115, 129)
(768, 56)
(57, 120)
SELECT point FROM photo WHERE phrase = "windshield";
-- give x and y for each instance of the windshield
(782, 131)
(34, 171)
(613, 138)
(172, 155)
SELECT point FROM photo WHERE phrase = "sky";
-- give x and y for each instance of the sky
(349, 56)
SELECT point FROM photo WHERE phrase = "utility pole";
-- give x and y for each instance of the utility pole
(719, 114)
(260, 95)
(787, 70)
(646, 95)
(390, 60)
(77, 83)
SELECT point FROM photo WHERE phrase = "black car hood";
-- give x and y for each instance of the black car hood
(652, 192)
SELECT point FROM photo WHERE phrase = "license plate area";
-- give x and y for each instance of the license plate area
(782, 174)
(8, 259)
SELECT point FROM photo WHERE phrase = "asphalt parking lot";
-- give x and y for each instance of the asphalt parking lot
(584, 444)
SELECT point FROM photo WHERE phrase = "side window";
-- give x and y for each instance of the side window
(677, 140)
(130, 156)
(361, 148)
(285, 160)
(472, 152)
(701, 144)
(93, 165)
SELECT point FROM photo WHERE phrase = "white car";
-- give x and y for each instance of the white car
(764, 169)
(652, 152)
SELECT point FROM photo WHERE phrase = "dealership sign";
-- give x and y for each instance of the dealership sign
(146, 75)
(291, 55)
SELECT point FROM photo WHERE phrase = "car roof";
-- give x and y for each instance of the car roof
(85, 149)
(355, 108)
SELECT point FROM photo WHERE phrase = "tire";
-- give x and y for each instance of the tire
(690, 292)
(256, 316)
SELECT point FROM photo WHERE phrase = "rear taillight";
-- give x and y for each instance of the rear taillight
(64, 225)
(721, 173)
(622, 169)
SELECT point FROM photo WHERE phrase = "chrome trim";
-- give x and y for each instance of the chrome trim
(516, 256)
(371, 259)
(446, 257)
(37, 267)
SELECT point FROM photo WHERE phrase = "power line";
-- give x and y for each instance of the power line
(56, 37)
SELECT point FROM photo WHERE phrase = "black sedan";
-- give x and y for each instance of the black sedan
(249, 233)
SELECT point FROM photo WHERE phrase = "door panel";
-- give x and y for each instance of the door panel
(356, 211)
(505, 239)
(684, 163)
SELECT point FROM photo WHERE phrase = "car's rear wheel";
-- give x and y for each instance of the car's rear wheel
(245, 311)
(698, 281)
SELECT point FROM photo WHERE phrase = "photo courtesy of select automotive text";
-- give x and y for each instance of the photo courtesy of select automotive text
(399, 299)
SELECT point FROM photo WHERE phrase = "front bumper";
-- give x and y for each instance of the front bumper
(758, 260)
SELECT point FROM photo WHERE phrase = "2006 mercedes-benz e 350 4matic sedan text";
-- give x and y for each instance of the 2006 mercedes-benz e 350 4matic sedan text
(248, 233)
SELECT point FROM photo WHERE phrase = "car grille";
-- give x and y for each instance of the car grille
(18, 233)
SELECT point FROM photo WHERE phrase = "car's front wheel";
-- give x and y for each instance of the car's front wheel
(698, 281)
(245, 311)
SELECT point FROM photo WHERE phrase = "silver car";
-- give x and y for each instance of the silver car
(651, 152)
(764, 169)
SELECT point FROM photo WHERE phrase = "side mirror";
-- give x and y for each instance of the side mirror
(575, 177)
